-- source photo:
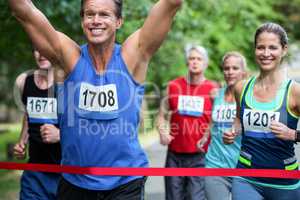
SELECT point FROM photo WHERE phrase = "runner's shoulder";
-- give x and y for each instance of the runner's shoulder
(20, 80)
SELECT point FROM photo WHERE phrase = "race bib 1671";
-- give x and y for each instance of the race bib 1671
(41, 107)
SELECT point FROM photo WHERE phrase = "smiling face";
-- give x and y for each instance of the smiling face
(233, 70)
(99, 21)
(41, 61)
(196, 62)
(269, 51)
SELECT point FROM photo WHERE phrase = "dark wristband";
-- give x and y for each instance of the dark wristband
(297, 136)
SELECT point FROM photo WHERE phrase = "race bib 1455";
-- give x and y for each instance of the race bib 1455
(190, 105)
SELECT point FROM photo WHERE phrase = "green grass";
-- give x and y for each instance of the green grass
(9, 184)
(9, 137)
(9, 179)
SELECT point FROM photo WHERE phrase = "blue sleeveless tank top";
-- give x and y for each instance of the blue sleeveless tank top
(260, 148)
(99, 122)
(220, 155)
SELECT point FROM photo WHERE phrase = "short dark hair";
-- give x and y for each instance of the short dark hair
(118, 4)
(272, 28)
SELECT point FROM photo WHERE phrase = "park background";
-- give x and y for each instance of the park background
(218, 25)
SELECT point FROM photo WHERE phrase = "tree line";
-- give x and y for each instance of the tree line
(218, 25)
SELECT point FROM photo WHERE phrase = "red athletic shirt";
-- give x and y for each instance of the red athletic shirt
(191, 107)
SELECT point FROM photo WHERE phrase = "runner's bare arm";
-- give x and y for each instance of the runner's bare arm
(20, 147)
(163, 120)
(279, 129)
(238, 89)
(229, 136)
(204, 139)
(141, 45)
(24, 131)
(20, 82)
(162, 117)
(55, 46)
(294, 98)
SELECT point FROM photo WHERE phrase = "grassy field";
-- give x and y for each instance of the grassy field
(9, 179)
(9, 184)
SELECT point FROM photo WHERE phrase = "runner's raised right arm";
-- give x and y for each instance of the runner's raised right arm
(56, 46)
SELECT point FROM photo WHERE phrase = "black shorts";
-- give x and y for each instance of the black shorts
(133, 190)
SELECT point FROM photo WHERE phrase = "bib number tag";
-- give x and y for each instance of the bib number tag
(224, 113)
(190, 105)
(98, 98)
(259, 121)
(43, 108)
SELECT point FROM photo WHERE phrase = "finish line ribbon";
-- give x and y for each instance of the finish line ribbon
(124, 171)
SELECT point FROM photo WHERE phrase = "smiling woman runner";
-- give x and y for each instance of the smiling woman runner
(102, 93)
(224, 111)
(268, 111)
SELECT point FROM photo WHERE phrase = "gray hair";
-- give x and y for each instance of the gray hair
(237, 55)
(190, 47)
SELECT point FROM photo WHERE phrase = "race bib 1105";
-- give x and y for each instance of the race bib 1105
(224, 113)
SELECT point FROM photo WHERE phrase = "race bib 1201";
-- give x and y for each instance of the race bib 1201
(41, 108)
(98, 98)
(190, 105)
(259, 121)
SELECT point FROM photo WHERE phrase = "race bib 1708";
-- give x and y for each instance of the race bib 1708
(98, 98)
(41, 108)
(259, 121)
(190, 105)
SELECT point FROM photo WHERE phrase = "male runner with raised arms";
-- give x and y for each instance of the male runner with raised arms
(102, 92)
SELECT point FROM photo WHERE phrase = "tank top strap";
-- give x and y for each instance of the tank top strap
(245, 90)
(28, 85)
(286, 93)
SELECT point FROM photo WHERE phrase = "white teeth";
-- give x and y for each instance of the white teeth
(266, 61)
(97, 31)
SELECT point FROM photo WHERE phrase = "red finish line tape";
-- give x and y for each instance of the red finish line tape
(120, 171)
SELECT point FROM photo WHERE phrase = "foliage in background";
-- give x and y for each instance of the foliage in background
(218, 25)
